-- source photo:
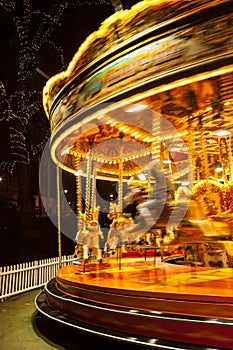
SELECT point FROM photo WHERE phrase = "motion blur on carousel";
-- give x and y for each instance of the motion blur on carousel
(150, 115)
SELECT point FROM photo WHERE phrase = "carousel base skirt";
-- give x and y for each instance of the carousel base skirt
(146, 302)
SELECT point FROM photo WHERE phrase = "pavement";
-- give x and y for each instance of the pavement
(22, 327)
(18, 327)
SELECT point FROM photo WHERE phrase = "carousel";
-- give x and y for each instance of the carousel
(145, 106)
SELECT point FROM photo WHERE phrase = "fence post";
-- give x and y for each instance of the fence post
(1, 282)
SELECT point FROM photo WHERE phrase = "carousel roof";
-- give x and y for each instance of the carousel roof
(128, 23)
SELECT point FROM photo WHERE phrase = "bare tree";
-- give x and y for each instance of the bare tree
(35, 25)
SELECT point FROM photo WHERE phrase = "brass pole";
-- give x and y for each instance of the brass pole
(78, 191)
(88, 187)
(120, 198)
(59, 216)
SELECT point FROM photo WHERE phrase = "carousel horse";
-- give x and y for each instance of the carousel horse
(204, 221)
(89, 235)
(149, 206)
(116, 233)
(199, 218)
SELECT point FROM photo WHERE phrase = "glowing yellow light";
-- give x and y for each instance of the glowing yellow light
(219, 169)
(65, 151)
(142, 177)
(222, 133)
(113, 124)
(78, 172)
(109, 121)
(134, 133)
(175, 149)
(136, 108)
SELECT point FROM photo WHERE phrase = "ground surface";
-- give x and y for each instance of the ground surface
(23, 328)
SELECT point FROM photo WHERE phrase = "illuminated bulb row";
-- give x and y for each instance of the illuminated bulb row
(114, 124)
(122, 128)
(8, 166)
(107, 160)
(228, 103)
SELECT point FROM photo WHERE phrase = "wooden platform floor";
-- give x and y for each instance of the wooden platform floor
(135, 275)
(155, 300)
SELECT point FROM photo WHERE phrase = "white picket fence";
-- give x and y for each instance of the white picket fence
(23, 277)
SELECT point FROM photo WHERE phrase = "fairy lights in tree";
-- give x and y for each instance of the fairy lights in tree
(36, 26)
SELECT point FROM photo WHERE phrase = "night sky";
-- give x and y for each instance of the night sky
(77, 22)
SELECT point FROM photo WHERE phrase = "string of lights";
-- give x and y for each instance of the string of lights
(40, 147)
(33, 47)
(18, 108)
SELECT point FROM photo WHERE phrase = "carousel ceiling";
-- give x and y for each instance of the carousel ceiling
(198, 114)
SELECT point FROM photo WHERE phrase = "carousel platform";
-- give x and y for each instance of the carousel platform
(144, 302)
